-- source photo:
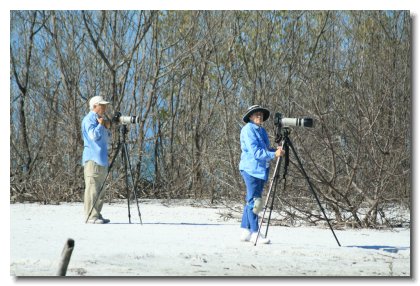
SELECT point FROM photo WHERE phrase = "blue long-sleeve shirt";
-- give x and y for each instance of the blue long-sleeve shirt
(95, 137)
(256, 151)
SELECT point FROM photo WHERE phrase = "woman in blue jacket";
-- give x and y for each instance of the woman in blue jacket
(254, 167)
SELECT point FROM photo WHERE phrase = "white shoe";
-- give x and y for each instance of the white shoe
(261, 238)
(246, 235)
(96, 221)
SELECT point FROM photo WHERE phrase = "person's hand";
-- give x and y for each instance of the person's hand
(101, 121)
(279, 151)
(104, 122)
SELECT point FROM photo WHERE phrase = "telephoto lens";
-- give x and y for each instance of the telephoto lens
(279, 121)
(298, 122)
(118, 118)
(129, 119)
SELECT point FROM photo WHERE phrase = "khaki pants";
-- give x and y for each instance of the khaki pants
(95, 176)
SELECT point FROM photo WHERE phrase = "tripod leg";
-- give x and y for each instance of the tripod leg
(103, 184)
(132, 179)
(271, 207)
(273, 183)
(285, 147)
(311, 188)
(125, 159)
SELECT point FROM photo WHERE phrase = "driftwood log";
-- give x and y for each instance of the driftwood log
(65, 257)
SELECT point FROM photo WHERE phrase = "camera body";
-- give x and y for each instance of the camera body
(118, 118)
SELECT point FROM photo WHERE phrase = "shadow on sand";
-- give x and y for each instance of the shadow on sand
(387, 248)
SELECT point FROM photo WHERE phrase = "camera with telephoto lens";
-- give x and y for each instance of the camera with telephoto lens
(281, 122)
(118, 118)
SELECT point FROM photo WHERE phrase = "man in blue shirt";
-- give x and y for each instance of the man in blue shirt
(95, 132)
(254, 167)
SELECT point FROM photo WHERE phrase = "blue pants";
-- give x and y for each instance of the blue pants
(254, 189)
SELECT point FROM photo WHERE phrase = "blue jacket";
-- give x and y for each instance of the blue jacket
(256, 151)
(95, 137)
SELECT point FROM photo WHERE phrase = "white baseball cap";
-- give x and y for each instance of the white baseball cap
(96, 100)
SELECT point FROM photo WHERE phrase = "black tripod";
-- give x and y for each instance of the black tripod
(122, 146)
(283, 136)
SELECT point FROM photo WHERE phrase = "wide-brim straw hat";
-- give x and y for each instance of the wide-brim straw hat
(253, 109)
